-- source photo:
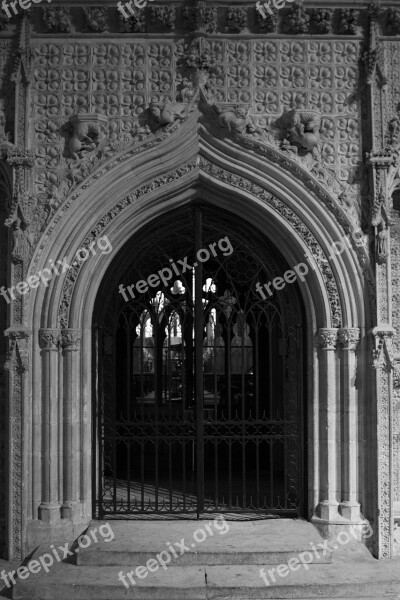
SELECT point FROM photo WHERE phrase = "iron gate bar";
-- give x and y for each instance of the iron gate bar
(198, 336)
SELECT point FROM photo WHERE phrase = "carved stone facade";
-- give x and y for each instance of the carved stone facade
(106, 122)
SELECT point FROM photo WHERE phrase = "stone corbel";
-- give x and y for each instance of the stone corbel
(382, 352)
(18, 351)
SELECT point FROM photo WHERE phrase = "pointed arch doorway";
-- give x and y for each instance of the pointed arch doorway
(199, 379)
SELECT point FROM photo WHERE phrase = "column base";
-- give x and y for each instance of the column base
(350, 511)
(71, 510)
(327, 510)
(49, 512)
(39, 532)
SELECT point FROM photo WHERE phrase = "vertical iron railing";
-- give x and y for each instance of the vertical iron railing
(198, 344)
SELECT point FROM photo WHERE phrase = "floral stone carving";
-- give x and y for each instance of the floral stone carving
(269, 24)
(199, 17)
(321, 20)
(57, 19)
(348, 20)
(393, 21)
(297, 20)
(84, 134)
(163, 17)
(96, 18)
(134, 24)
(237, 19)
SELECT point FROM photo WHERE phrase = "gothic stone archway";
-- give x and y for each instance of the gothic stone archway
(293, 220)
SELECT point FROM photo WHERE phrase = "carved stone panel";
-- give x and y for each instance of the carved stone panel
(119, 80)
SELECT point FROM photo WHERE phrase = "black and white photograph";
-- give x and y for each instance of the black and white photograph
(199, 299)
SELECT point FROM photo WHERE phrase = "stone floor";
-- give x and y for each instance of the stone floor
(225, 566)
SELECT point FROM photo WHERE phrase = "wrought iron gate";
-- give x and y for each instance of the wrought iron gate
(200, 381)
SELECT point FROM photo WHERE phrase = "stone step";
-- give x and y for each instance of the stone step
(270, 542)
(346, 579)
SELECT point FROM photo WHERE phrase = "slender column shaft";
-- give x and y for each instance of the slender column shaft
(349, 507)
(383, 363)
(49, 510)
(329, 426)
(70, 341)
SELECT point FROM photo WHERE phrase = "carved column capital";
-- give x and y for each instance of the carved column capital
(49, 339)
(70, 339)
(349, 338)
(326, 338)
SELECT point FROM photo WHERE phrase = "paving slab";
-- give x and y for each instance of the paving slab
(69, 582)
(320, 581)
(353, 574)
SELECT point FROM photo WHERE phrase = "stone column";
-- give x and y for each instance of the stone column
(17, 365)
(70, 342)
(49, 509)
(349, 506)
(384, 167)
(329, 415)
(383, 364)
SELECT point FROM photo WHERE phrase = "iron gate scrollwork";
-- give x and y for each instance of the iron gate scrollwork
(200, 381)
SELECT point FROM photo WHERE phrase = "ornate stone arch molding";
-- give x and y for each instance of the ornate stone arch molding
(205, 167)
(253, 173)
(190, 136)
